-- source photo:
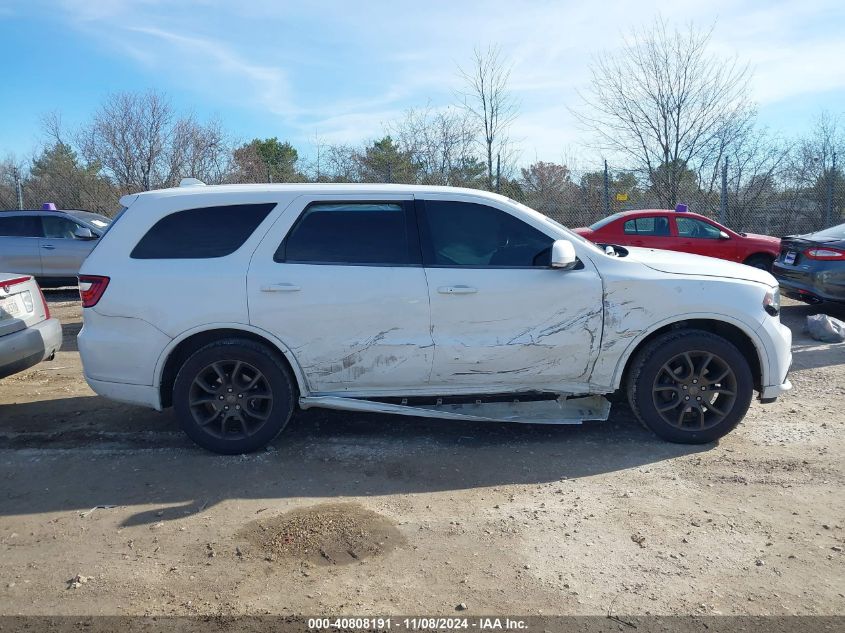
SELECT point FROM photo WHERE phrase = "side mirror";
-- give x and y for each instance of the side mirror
(563, 255)
(83, 233)
(724, 236)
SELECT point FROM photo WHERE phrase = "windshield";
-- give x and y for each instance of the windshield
(833, 233)
(95, 220)
(570, 235)
(595, 226)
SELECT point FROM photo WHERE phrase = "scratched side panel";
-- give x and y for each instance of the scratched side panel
(522, 329)
(349, 327)
(639, 300)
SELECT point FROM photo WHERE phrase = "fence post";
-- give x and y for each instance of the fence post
(18, 189)
(606, 191)
(723, 201)
(828, 212)
(498, 173)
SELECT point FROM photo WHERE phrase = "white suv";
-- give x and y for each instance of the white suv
(236, 303)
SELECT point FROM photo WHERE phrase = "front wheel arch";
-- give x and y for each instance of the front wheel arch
(721, 328)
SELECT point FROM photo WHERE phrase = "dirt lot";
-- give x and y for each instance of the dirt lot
(368, 514)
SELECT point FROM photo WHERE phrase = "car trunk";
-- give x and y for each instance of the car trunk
(20, 303)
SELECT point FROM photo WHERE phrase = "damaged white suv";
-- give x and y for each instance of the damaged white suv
(237, 303)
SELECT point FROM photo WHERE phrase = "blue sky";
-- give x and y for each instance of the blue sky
(341, 70)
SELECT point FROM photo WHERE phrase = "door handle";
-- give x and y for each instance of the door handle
(284, 287)
(48, 247)
(457, 290)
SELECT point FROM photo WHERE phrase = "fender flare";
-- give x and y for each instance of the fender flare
(744, 327)
(299, 375)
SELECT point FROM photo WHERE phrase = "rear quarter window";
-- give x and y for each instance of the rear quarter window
(201, 233)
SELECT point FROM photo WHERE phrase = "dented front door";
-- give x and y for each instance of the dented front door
(526, 329)
(502, 318)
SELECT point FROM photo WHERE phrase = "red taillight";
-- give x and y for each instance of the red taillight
(8, 283)
(44, 303)
(824, 253)
(91, 288)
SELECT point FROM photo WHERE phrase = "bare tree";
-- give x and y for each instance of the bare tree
(666, 103)
(140, 143)
(487, 98)
(441, 145)
(815, 179)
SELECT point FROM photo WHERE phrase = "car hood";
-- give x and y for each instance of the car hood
(687, 264)
(766, 239)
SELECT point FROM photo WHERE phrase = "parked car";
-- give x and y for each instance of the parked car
(50, 245)
(27, 333)
(686, 232)
(236, 303)
(811, 267)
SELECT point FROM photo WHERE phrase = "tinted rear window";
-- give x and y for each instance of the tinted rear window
(349, 233)
(20, 226)
(647, 226)
(201, 233)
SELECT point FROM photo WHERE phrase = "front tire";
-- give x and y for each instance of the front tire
(233, 396)
(690, 386)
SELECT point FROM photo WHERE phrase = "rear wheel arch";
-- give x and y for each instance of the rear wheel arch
(742, 339)
(180, 350)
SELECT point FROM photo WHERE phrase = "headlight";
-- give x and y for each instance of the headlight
(771, 302)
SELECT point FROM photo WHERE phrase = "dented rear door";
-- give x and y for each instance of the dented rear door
(338, 279)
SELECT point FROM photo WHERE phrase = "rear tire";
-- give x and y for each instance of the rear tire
(690, 386)
(763, 262)
(233, 396)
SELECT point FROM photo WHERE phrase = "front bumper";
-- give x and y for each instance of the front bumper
(771, 393)
(28, 347)
(777, 342)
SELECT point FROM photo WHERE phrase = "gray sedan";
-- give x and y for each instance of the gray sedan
(50, 245)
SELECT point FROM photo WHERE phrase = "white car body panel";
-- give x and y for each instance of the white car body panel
(349, 327)
(369, 331)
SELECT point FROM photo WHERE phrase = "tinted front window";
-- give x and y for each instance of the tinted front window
(201, 233)
(468, 234)
(691, 227)
(647, 226)
(20, 226)
(55, 226)
(349, 233)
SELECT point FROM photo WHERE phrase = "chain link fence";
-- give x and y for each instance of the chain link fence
(778, 207)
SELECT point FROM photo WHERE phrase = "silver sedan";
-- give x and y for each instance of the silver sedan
(50, 245)
(27, 333)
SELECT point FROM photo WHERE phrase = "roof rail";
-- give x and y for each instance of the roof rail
(191, 182)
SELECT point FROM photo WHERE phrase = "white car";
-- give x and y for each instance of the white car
(27, 333)
(236, 303)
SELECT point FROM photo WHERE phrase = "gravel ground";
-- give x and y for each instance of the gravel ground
(108, 509)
